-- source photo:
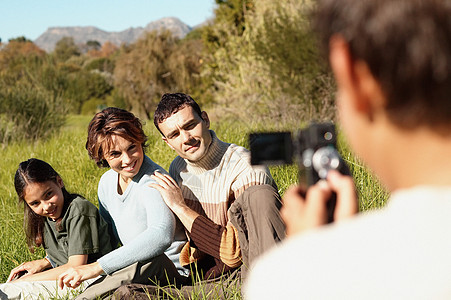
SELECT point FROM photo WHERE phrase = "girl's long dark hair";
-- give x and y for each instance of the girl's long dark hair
(35, 171)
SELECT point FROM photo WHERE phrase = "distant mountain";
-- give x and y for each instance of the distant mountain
(81, 35)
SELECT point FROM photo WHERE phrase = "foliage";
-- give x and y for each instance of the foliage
(84, 85)
(65, 48)
(219, 38)
(29, 112)
(108, 50)
(16, 56)
(194, 34)
(93, 45)
(281, 37)
(266, 66)
(102, 64)
(20, 39)
(254, 59)
(24, 63)
(92, 106)
(234, 13)
(31, 106)
(154, 65)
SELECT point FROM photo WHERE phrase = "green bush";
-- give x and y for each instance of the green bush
(29, 113)
(102, 64)
(263, 63)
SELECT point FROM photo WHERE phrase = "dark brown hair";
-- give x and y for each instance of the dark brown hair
(407, 46)
(107, 123)
(172, 103)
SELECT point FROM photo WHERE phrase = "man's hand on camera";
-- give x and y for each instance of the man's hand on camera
(304, 210)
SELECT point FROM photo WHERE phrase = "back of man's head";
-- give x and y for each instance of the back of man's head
(407, 47)
(172, 103)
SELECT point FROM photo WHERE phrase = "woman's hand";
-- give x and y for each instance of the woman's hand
(74, 276)
(303, 209)
(28, 268)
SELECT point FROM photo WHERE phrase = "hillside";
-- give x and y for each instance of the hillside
(82, 34)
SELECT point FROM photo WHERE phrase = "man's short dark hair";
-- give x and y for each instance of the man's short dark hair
(172, 103)
(407, 47)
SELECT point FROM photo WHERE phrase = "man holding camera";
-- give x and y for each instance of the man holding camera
(392, 63)
(229, 208)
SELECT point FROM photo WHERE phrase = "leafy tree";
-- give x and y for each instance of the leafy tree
(234, 13)
(17, 57)
(93, 45)
(108, 49)
(65, 48)
(152, 66)
(222, 44)
(261, 62)
(281, 37)
(194, 34)
(20, 39)
(185, 64)
(84, 85)
(102, 64)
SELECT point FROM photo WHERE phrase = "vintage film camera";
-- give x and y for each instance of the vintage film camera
(314, 149)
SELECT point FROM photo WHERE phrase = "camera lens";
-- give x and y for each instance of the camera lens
(325, 159)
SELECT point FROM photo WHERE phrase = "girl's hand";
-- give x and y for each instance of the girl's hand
(27, 268)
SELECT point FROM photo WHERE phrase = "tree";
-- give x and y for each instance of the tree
(93, 45)
(262, 62)
(20, 39)
(234, 13)
(281, 37)
(108, 49)
(65, 48)
(84, 85)
(152, 66)
(16, 57)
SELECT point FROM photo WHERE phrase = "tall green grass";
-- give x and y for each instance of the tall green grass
(65, 151)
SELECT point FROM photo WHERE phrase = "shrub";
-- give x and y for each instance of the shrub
(29, 112)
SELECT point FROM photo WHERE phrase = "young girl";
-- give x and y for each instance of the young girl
(68, 226)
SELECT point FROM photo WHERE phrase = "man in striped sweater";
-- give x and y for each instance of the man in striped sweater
(229, 208)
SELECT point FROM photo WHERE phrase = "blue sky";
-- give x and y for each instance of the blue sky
(31, 18)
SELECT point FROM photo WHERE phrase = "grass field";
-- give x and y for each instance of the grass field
(66, 153)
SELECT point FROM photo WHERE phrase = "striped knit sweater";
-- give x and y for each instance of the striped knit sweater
(209, 187)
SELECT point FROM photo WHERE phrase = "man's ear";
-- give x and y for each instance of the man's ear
(166, 141)
(354, 78)
(204, 116)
